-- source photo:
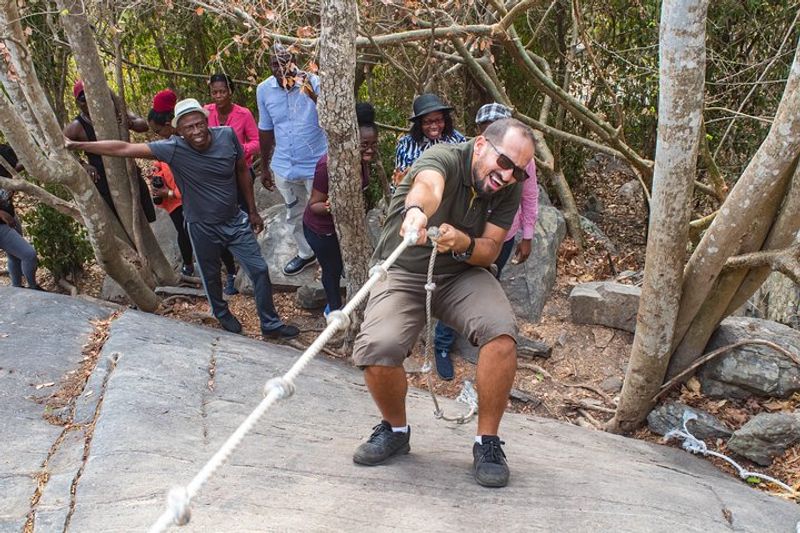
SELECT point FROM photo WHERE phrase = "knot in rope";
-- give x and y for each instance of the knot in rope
(179, 504)
(430, 286)
(341, 316)
(284, 387)
(380, 270)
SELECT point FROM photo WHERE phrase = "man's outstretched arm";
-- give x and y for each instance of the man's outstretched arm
(111, 148)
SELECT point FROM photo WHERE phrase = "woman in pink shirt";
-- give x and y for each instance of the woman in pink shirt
(223, 112)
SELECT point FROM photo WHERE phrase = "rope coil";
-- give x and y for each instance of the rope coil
(470, 399)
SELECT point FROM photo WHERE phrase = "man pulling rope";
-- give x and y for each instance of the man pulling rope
(471, 192)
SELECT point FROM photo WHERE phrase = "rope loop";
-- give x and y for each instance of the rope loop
(284, 387)
(179, 504)
(341, 316)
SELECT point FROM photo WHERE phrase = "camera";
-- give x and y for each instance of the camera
(157, 182)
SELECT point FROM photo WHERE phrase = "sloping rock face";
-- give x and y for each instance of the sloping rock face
(605, 303)
(752, 368)
(165, 395)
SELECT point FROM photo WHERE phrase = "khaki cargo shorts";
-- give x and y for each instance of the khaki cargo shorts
(472, 302)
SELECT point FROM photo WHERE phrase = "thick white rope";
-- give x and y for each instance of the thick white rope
(468, 395)
(179, 499)
(694, 445)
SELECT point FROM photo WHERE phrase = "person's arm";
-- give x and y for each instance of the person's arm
(266, 142)
(137, 123)
(252, 142)
(319, 203)
(484, 252)
(307, 87)
(422, 202)
(246, 188)
(7, 219)
(528, 212)
(111, 148)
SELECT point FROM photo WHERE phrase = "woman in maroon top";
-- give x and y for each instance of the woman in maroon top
(317, 220)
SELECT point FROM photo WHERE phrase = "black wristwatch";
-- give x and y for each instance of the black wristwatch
(466, 254)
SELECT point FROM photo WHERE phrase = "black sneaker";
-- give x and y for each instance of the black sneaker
(444, 365)
(298, 264)
(187, 269)
(382, 444)
(229, 323)
(284, 332)
(489, 462)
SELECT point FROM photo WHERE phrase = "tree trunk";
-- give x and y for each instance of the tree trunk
(108, 124)
(338, 119)
(682, 60)
(754, 196)
(30, 127)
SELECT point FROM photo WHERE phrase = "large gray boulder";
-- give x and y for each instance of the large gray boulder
(278, 248)
(752, 368)
(605, 303)
(167, 237)
(529, 284)
(667, 417)
(766, 436)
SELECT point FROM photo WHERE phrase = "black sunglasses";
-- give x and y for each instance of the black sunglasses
(505, 162)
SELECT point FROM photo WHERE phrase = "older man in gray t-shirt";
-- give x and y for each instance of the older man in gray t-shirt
(207, 164)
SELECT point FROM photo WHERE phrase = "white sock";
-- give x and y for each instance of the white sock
(479, 439)
(401, 429)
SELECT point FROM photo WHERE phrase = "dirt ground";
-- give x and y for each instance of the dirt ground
(580, 381)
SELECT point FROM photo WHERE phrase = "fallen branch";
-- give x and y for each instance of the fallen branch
(592, 420)
(584, 404)
(535, 368)
(73, 291)
(711, 355)
(590, 387)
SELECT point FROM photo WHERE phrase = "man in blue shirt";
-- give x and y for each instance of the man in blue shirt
(291, 143)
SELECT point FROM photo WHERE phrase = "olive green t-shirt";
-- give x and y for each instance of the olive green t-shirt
(460, 207)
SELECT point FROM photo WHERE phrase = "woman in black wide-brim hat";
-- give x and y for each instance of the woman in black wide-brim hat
(431, 125)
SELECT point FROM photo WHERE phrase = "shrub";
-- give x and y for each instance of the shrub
(61, 243)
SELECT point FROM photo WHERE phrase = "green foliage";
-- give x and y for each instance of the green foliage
(60, 242)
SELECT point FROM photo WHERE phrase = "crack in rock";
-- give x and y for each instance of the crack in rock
(63, 402)
(209, 391)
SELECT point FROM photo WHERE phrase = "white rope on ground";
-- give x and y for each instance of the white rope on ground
(468, 395)
(694, 445)
(179, 499)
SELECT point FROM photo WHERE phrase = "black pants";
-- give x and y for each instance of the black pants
(235, 234)
(185, 244)
(329, 255)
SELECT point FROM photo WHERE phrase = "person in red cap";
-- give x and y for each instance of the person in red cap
(82, 129)
(166, 194)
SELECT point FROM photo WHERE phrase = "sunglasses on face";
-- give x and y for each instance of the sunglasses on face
(505, 162)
